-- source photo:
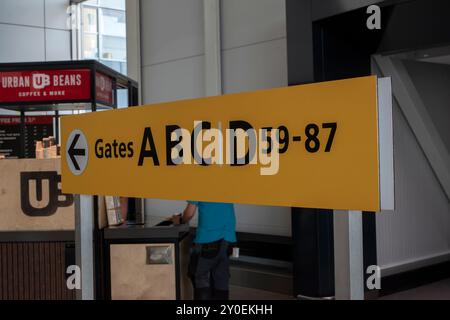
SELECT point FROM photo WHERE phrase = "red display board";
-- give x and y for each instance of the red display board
(103, 89)
(45, 85)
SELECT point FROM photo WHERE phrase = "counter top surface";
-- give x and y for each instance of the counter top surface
(37, 236)
(147, 231)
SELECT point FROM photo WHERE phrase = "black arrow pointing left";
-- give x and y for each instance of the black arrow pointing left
(75, 152)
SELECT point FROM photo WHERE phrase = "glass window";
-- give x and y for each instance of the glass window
(90, 46)
(113, 4)
(103, 33)
(113, 23)
(114, 48)
(116, 65)
(122, 98)
(90, 20)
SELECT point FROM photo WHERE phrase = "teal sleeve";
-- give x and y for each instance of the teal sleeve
(193, 202)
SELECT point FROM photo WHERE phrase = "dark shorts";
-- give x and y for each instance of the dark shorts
(209, 266)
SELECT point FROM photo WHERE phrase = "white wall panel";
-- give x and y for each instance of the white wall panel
(159, 210)
(254, 67)
(432, 81)
(56, 14)
(181, 79)
(164, 208)
(23, 12)
(57, 45)
(253, 219)
(28, 30)
(171, 29)
(255, 61)
(251, 21)
(173, 68)
(419, 228)
(264, 219)
(21, 44)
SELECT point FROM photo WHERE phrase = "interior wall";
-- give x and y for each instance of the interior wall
(171, 50)
(34, 30)
(432, 81)
(253, 44)
(253, 39)
(417, 233)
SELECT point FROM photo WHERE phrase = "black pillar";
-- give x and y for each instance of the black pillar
(313, 256)
(312, 229)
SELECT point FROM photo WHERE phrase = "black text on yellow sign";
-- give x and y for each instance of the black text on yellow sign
(308, 146)
(205, 145)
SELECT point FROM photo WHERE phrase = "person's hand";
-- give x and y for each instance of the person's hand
(176, 219)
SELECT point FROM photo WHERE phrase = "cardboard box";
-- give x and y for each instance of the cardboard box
(114, 217)
(112, 202)
(113, 210)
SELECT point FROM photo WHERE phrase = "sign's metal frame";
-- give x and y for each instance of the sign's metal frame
(348, 225)
(386, 144)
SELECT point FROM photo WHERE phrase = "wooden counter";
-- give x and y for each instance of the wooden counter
(130, 273)
(36, 231)
(30, 196)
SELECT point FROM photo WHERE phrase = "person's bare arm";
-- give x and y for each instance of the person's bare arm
(188, 214)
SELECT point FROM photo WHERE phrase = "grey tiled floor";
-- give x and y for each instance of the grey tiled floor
(242, 293)
(434, 291)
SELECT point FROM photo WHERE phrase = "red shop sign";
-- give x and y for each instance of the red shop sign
(103, 89)
(45, 85)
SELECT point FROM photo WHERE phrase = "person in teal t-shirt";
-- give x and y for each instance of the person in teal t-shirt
(216, 221)
(209, 267)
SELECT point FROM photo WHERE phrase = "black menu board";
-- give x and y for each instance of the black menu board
(36, 128)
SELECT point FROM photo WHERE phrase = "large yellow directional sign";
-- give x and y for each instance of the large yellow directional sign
(311, 146)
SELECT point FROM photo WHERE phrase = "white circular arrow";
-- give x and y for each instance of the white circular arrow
(77, 152)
